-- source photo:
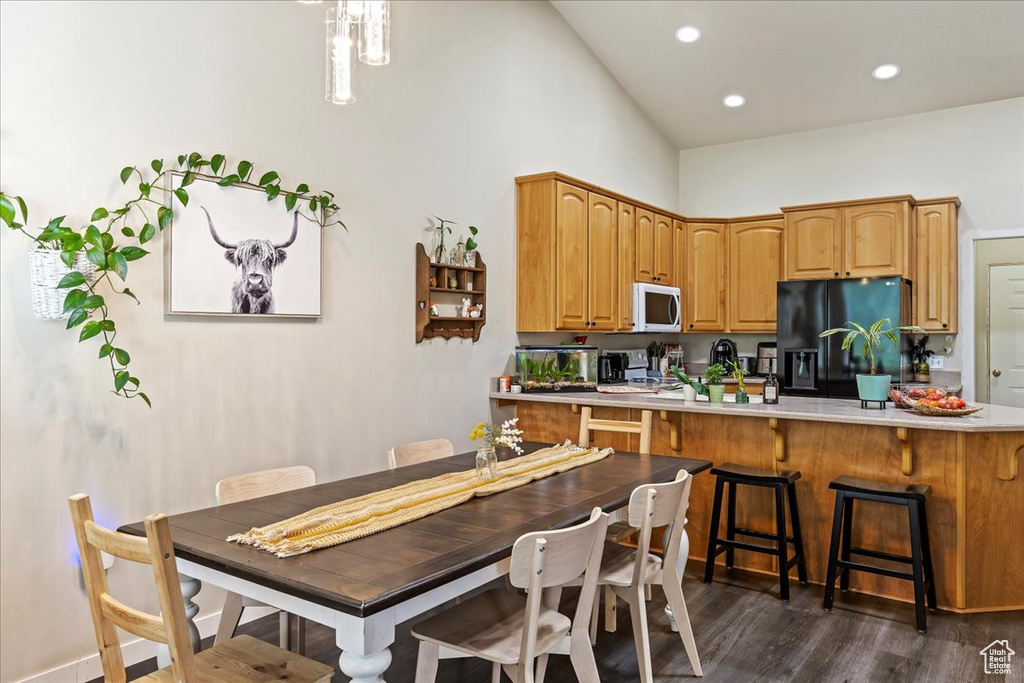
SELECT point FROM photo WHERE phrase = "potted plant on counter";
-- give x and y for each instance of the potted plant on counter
(738, 374)
(919, 353)
(871, 387)
(713, 376)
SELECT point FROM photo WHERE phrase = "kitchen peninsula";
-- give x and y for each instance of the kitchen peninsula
(975, 512)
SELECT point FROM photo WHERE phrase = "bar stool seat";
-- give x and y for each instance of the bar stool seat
(883, 488)
(755, 475)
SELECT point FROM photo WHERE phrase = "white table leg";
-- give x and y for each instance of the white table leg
(364, 645)
(189, 589)
(684, 552)
(365, 668)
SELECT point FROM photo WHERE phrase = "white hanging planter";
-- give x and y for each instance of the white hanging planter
(47, 270)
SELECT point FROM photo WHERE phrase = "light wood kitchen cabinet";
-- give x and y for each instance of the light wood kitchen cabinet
(755, 267)
(876, 240)
(705, 271)
(813, 239)
(571, 273)
(645, 263)
(603, 263)
(935, 274)
(627, 264)
(663, 252)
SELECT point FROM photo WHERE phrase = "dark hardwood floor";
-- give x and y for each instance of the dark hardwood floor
(745, 634)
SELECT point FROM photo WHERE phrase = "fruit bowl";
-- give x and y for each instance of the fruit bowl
(906, 396)
(935, 411)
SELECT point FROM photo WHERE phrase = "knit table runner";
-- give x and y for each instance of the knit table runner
(354, 518)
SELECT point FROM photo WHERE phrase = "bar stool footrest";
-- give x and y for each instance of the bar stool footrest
(760, 534)
(870, 569)
(725, 544)
(879, 555)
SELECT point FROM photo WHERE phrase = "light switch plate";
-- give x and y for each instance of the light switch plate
(936, 362)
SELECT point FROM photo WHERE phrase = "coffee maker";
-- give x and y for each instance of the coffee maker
(723, 351)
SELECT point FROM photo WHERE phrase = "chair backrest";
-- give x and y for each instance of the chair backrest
(419, 451)
(264, 483)
(108, 613)
(657, 505)
(643, 427)
(550, 559)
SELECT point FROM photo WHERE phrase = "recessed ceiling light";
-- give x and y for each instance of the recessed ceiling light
(884, 72)
(734, 100)
(688, 34)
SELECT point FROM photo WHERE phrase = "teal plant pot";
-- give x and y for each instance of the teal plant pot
(716, 392)
(742, 397)
(873, 387)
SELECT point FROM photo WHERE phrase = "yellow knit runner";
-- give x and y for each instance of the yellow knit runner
(354, 518)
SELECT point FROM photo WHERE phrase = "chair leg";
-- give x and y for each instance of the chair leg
(542, 668)
(611, 621)
(593, 616)
(426, 662)
(495, 673)
(730, 525)
(638, 615)
(833, 552)
(229, 618)
(674, 597)
(284, 630)
(648, 593)
(780, 535)
(581, 654)
(926, 550)
(845, 541)
(916, 552)
(798, 540)
(716, 518)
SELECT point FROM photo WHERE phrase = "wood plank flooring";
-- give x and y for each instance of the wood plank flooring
(744, 633)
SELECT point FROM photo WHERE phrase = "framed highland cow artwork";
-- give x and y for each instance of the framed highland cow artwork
(231, 252)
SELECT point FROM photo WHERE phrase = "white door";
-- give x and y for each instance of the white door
(1006, 335)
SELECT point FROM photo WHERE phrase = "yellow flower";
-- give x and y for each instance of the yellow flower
(472, 436)
(479, 425)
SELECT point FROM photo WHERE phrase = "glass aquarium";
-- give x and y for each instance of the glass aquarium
(571, 367)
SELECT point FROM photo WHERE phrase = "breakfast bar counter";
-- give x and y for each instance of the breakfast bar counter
(972, 463)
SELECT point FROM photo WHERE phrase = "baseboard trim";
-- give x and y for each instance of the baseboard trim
(134, 651)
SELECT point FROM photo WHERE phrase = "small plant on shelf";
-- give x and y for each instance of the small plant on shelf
(442, 227)
(471, 245)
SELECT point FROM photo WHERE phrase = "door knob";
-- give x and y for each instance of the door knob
(996, 373)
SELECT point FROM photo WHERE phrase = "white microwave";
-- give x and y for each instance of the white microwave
(656, 308)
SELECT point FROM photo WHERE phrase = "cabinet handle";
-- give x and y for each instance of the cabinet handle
(691, 326)
(847, 273)
(632, 324)
(836, 274)
(944, 325)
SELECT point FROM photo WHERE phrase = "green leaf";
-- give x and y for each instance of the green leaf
(289, 200)
(6, 211)
(181, 160)
(272, 192)
(193, 158)
(91, 329)
(268, 177)
(229, 180)
(107, 325)
(148, 233)
(312, 204)
(302, 188)
(164, 216)
(99, 214)
(96, 255)
(127, 232)
(189, 178)
(78, 316)
(122, 356)
(73, 242)
(72, 279)
(107, 241)
(144, 188)
(92, 235)
(23, 207)
(74, 299)
(182, 196)
(471, 244)
(120, 379)
(473, 230)
(55, 222)
(134, 380)
(133, 253)
(90, 302)
(105, 350)
(145, 398)
(244, 169)
(126, 173)
(216, 163)
(68, 257)
(128, 292)
(157, 165)
(117, 262)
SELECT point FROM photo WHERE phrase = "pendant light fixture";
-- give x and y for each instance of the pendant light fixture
(340, 81)
(375, 33)
(355, 28)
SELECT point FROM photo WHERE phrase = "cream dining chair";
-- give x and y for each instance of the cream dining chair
(517, 633)
(419, 451)
(245, 487)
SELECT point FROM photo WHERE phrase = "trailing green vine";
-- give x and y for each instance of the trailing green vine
(140, 220)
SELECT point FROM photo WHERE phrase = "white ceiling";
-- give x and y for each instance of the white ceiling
(801, 65)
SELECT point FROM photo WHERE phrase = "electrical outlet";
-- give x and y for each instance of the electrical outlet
(936, 362)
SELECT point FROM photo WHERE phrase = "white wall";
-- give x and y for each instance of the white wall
(975, 152)
(476, 94)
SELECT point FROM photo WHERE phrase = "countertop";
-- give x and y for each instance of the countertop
(992, 419)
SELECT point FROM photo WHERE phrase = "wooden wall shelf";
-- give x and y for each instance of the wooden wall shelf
(470, 282)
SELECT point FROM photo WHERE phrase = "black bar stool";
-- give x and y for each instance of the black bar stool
(913, 496)
(784, 483)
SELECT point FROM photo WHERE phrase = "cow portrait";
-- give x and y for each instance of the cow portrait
(256, 261)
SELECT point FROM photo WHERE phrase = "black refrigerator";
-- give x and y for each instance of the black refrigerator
(811, 366)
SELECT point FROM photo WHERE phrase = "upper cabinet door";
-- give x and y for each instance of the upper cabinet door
(935, 273)
(755, 268)
(679, 263)
(571, 209)
(706, 253)
(875, 240)
(813, 239)
(663, 252)
(603, 284)
(627, 264)
(645, 250)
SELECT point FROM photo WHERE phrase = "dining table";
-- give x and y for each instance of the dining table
(365, 587)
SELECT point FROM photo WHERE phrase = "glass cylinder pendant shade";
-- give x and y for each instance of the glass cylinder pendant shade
(354, 11)
(340, 68)
(375, 33)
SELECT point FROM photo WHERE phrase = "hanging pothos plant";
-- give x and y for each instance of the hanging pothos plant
(107, 241)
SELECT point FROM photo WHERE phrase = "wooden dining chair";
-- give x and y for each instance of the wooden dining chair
(643, 427)
(517, 633)
(625, 571)
(419, 451)
(241, 659)
(245, 487)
